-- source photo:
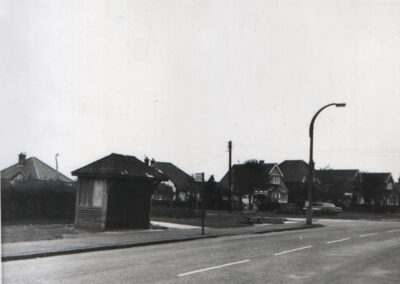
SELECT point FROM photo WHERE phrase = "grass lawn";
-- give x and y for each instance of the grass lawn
(219, 219)
(35, 232)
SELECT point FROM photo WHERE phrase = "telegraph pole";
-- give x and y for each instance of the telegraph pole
(203, 201)
(230, 176)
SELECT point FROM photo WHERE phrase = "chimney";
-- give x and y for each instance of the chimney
(261, 162)
(21, 158)
(152, 162)
(146, 161)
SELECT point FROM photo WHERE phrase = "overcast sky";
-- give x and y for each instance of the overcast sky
(176, 80)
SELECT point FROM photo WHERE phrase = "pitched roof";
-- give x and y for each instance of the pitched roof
(294, 170)
(180, 179)
(384, 177)
(117, 165)
(224, 182)
(346, 174)
(34, 169)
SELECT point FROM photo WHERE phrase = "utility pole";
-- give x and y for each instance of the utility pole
(230, 176)
(203, 201)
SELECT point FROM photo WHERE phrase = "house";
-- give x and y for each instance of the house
(264, 181)
(295, 176)
(397, 192)
(181, 184)
(340, 186)
(115, 191)
(294, 171)
(378, 189)
(32, 169)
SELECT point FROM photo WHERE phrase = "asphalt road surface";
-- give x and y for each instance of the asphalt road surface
(342, 252)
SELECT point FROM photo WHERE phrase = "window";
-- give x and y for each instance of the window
(276, 196)
(91, 192)
(276, 179)
(99, 187)
(82, 196)
(284, 198)
(85, 192)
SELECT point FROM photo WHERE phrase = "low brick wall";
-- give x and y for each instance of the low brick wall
(90, 218)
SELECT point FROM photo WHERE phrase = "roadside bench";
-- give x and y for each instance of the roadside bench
(252, 217)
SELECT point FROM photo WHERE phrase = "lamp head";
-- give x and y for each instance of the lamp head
(340, 105)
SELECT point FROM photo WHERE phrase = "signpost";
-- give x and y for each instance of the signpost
(199, 177)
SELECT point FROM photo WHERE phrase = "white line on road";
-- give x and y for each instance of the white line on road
(392, 231)
(336, 241)
(213, 267)
(366, 235)
(287, 251)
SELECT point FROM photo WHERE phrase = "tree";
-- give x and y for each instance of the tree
(373, 190)
(330, 186)
(248, 178)
(212, 196)
(164, 191)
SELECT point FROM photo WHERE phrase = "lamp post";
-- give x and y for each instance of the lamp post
(311, 164)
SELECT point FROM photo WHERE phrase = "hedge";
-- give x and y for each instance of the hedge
(32, 200)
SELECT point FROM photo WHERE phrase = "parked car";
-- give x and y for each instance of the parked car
(319, 208)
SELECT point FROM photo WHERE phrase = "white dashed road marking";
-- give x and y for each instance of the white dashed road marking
(213, 267)
(287, 251)
(366, 235)
(337, 241)
(279, 253)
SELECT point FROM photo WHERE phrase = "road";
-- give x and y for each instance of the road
(342, 252)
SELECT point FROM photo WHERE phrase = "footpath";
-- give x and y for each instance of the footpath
(97, 241)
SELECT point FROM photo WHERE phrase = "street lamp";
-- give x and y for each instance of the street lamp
(311, 164)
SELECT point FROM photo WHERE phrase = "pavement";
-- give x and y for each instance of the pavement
(360, 252)
(97, 241)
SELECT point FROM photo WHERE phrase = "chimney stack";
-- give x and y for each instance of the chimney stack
(152, 162)
(146, 161)
(21, 158)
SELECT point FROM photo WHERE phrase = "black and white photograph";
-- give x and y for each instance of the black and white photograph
(200, 141)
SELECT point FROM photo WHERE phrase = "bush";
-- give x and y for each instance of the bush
(37, 200)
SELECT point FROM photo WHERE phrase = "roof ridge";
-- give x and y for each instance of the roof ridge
(34, 166)
(117, 165)
(176, 167)
(48, 166)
